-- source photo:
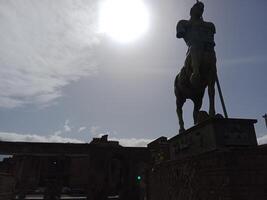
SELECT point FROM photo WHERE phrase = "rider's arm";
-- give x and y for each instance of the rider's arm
(181, 29)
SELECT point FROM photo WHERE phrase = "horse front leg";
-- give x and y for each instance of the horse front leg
(179, 111)
(211, 91)
(180, 118)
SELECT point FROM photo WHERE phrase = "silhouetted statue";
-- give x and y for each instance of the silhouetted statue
(199, 70)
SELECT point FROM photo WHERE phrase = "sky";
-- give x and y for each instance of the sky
(63, 80)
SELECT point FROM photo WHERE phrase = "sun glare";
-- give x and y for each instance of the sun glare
(123, 20)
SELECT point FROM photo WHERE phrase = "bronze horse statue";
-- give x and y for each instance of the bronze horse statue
(184, 89)
(199, 70)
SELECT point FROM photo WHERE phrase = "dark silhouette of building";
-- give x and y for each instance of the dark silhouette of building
(96, 170)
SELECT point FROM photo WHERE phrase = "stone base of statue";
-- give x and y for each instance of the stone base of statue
(213, 134)
(216, 160)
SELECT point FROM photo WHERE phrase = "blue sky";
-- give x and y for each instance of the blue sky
(60, 80)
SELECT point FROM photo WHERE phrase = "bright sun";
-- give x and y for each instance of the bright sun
(123, 20)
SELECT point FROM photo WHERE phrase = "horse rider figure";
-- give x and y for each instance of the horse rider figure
(199, 70)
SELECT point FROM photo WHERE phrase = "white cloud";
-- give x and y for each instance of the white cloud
(98, 131)
(58, 133)
(82, 128)
(45, 45)
(132, 142)
(2, 157)
(16, 137)
(95, 130)
(262, 140)
(67, 128)
(5, 136)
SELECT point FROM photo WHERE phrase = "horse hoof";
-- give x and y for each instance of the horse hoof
(202, 116)
(212, 114)
(181, 130)
(219, 116)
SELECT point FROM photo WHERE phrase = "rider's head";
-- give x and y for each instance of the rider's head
(197, 10)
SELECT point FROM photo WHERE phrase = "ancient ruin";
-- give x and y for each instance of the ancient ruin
(216, 159)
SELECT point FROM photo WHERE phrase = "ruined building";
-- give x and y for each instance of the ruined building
(96, 170)
(218, 159)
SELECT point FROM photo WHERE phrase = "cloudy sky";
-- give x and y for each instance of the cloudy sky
(63, 79)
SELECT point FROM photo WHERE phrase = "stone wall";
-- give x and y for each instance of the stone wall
(236, 173)
(7, 184)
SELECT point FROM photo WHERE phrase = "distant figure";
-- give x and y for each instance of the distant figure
(199, 70)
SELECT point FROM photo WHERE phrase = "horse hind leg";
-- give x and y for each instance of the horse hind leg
(211, 92)
(211, 86)
(197, 107)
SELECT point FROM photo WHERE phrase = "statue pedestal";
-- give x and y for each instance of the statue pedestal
(217, 159)
(213, 134)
